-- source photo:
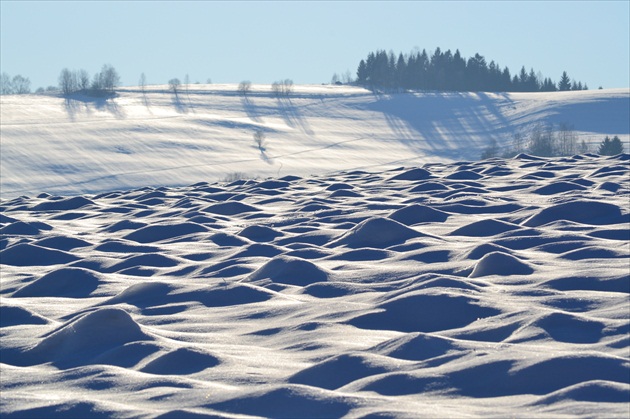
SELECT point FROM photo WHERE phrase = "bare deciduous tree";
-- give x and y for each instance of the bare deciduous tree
(21, 85)
(109, 78)
(143, 82)
(67, 82)
(259, 139)
(244, 87)
(283, 87)
(6, 86)
(567, 141)
(174, 84)
(83, 80)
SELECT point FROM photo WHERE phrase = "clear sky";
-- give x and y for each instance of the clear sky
(307, 42)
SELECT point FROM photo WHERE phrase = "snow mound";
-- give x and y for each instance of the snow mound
(500, 263)
(88, 336)
(25, 254)
(579, 211)
(63, 282)
(558, 187)
(290, 270)
(425, 311)
(181, 361)
(62, 243)
(154, 233)
(565, 327)
(417, 213)
(259, 233)
(11, 315)
(326, 375)
(22, 228)
(485, 228)
(413, 175)
(417, 347)
(65, 204)
(376, 232)
(290, 401)
(230, 208)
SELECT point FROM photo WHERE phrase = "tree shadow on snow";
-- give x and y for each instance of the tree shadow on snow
(292, 115)
(179, 104)
(422, 121)
(78, 104)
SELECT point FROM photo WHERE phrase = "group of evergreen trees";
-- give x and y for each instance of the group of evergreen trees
(448, 71)
(610, 147)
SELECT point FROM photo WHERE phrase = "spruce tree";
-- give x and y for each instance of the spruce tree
(565, 82)
(610, 147)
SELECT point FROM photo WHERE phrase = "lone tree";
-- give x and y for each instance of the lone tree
(610, 147)
(174, 85)
(244, 87)
(259, 139)
(143, 82)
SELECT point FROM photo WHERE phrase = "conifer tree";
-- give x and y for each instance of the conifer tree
(610, 147)
(565, 82)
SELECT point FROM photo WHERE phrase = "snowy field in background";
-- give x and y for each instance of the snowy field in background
(87, 145)
(398, 281)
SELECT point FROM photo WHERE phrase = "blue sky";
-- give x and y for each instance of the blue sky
(307, 41)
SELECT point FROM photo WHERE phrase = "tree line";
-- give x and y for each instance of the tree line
(550, 141)
(16, 85)
(78, 81)
(452, 72)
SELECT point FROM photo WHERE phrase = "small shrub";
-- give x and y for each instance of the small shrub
(234, 176)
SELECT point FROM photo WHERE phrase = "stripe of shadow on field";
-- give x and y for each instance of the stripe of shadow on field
(292, 115)
(435, 122)
(77, 104)
(250, 109)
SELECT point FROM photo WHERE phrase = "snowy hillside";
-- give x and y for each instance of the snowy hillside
(87, 145)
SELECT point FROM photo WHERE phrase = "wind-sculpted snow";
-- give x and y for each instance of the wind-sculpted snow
(497, 288)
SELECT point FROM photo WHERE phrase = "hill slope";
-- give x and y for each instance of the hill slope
(87, 145)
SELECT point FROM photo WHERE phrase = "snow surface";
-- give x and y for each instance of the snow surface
(88, 145)
(433, 288)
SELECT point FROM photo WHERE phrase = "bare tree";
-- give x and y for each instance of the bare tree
(143, 82)
(21, 85)
(276, 88)
(283, 87)
(334, 79)
(244, 87)
(6, 86)
(288, 86)
(109, 78)
(347, 77)
(567, 141)
(174, 85)
(67, 82)
(259, 139)
(83, 80)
